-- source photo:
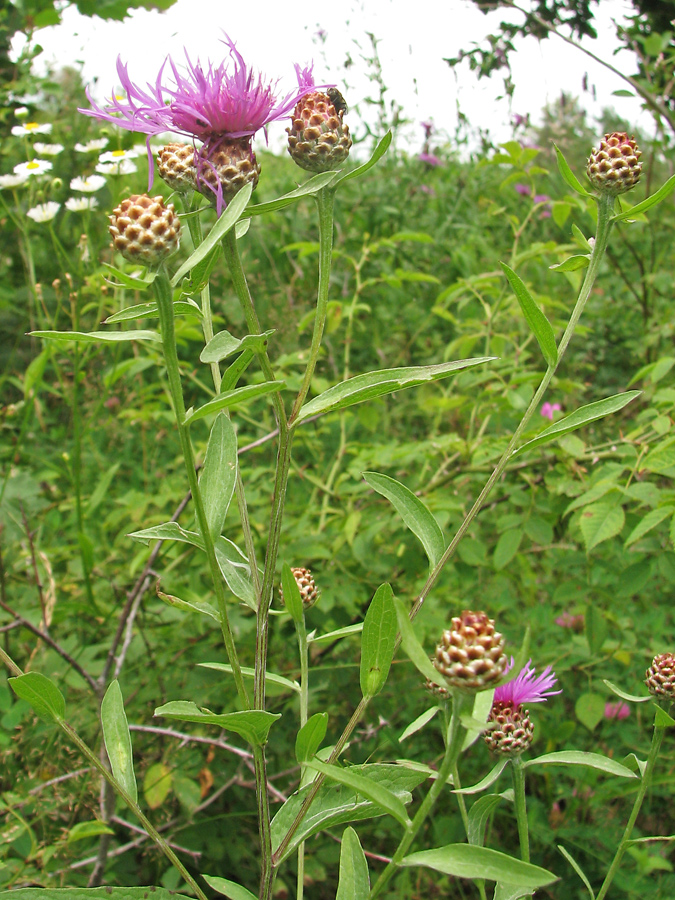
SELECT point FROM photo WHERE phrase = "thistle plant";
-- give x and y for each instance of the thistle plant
(220, 109)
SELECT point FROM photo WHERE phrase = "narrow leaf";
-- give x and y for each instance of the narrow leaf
(200, 606)
(310, 737)
(535, 318)
(579, 758)
(378, 153)
(44, 697)
(412, 647)
(100, 893)
(229, 399)
(655, 198)
(336, 635)
(479, 815)
(84, 830)
(225, 344)
(412, 510)
(235, 569)
(373, 791)
(633, 698)
(354, 882)
(378, 641)
(247, 672)
(136, 284)
(149, 311)
(569, 175)
(577, 868)
(313, 186)
(228, 219)
(118, 740)
(572, 264)
(385, 381)
(467, 861)
(229, 889)
(93, 337)
(419, 723)
(219, 473)
(251, 724)
(486, 782)
(653, 518)
(292, 598)
(580, 417)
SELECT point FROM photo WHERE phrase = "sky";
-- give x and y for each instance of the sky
(413, 42)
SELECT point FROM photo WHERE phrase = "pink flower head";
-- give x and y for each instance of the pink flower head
(430, 159)
(525, 688)
(210, 103)
(522, 189)
(617, 710)
(567, 620)
(548, 409)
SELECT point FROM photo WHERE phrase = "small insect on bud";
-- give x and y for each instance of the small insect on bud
(614, 167)
(144, 230)
(470, 655)
(318, 139)
(660, 676)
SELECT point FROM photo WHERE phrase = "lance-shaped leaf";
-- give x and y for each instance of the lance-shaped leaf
(149, 311)
(251, 724)
(118, 740)
(633, 698)
(655, 198)
(228, 399)
(313, 186)
(376, 793)
(487, 781)
(579, 418)
(227, 888)
(99, 893)
(228, 219)
(354, 882)
(414, 513)
(219, 473)
(225, 344)
(479, 815)
(94, 337)
(378, 641)
(292, 598)
(569, 175)
(44, 697)
(136, 284)
(378, 153)
(247, 672)
(572, 263)
(579, 758)
(386, 381)
(467, 861)
(539, 324)
(577, 868)
(310, 737)
(412, 647)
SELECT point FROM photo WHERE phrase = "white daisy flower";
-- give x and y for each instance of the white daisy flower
(47, 149)
(21, 112)
(87, 185)
(115, 156)
(90, 146)
(81, 204)
(44, 212)
(12, 181)
(123, 167)
(31, 128)
(35, 167)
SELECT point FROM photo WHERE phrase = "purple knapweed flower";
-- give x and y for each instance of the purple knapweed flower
(617, 710)
(430, 159)
(213, 104)
(525, 688)
(522, 189)
(519, 120)
(548, 409)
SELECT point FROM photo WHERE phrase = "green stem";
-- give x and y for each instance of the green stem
(163, 295)
(301, 632)
(518, 773)
(605, 208)
(645, 783)
(462, 703)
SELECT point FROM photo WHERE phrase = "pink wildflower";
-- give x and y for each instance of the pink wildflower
(548, 409)
(525, 688)
(522, 189)
(617, 710)
(430, 159)
(567, 620)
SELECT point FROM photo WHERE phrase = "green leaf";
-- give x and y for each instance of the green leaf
(219, 473)
(313, 186)
(479, 815)
(577, 868)
(376, 793)
(149, 310)
(466, 861)
(378, 153)
(43, 696)
(157, 785)
(336, 804)
(661, 459)
(601, 521)
(385, 381)
(100, 893)
(535, 318)
(129, 281)
(118, 740)
(412, 647)
(228, 219)
(200, 606)
(35, 371)
(487, 781)
(579, 758)
(84, 830)
(354, 882)
(270, 677)
(93, 337)
(569, 175)
(590, 710)
(633, 698)
(167, 531)
(662, 719)
(292, 598)
(655, 198)
(582, 416)
(378, 641)
(251, 724)
(310, 737)
(227, 888)
(336, 635)
(596, 628)
(225, 344)
(507, 547)
(228, 399)
(235, 569)
(412, 510)
(572, 264)
(653, 518)
(419, 723)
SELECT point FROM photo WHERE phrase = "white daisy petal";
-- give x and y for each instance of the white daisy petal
(44, 212)
(88, 184)
(35, 167)
(81, 204)
(31, 128)
(47, 149)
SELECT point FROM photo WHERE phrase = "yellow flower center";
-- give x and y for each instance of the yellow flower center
(33, 165)
(119, 153)
(30, 126)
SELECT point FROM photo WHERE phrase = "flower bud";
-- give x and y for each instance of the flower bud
(513, 731)
(318, 140)
(614, 167)
(660, 676)
(471, 654)
(176, 166)
(144, 230)
(229, 167)
(309, 592)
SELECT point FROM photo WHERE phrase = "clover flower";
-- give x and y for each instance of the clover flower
(617, 710)
(525, 688)
(548, 409)
(211, 103)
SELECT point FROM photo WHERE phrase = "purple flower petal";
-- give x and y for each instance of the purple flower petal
(526, 688)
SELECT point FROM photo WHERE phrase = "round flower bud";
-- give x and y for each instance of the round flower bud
(470, 654)
(232, 165)
(318, 140)
(176, 166)
(513, 729)
(309, 592)
(614, 167)
(660, 676)
(144, 230)
(442, 693)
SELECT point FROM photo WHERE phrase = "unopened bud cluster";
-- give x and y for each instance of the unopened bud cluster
(660, 676)
(614, 167)
(513, 730)
(470, 655)
(231, 165)
(318, 139)
(144, 230)
(304, 579)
